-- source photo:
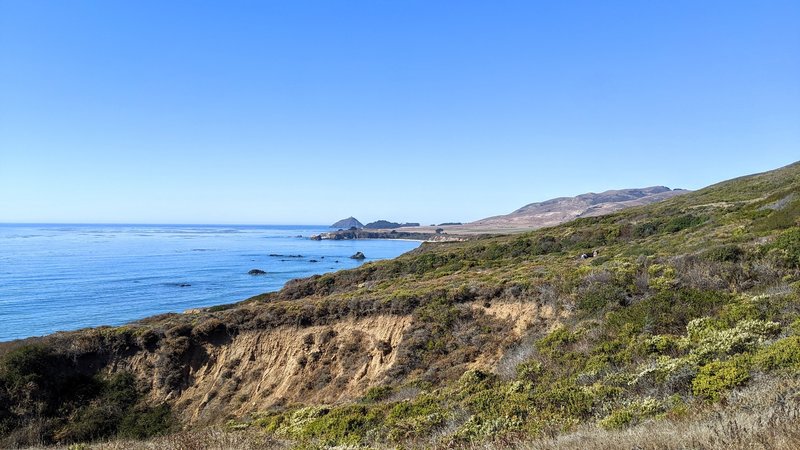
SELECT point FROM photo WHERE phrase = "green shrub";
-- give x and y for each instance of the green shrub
(341, 425)
(645, 229)
(617, 419)
(143, 422)
(786, 248)
(597, 296)
(31, 364)
(795, 326)
(40, 382)
(115, 412)
(411, 419)
(545, 245)
(632, 413)
(89, 423)
(706, 340)
(741, 310)
(73, 407)
(717, 377)
(778, 219)
(681, 223)
(666, 312)
(672, 373)
(671, 225)
(478, 428)
(661, 276)
(565, 399)
(529, 370)
(661, 344)
(724, 253)
(378, 393)
(784, 354)
(556, 341)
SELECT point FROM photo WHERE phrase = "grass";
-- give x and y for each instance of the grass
(765, 415)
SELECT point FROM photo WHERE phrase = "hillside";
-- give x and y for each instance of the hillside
(559, 210)
(346, 224)
(563, 209)
(688, 318)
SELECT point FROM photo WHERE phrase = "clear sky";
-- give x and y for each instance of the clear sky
(429, 111)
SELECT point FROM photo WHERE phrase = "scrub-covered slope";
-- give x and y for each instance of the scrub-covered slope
(502, 339)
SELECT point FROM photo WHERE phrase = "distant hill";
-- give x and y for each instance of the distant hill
(348, 223)
(563, 209)
(385, 224)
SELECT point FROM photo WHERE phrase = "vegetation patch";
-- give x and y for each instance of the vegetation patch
(68, 406)
(718, 377)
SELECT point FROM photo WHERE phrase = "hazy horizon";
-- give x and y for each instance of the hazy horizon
(364, 220)
(300, 113)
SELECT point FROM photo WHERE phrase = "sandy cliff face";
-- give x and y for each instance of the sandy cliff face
(254, 371)
(260, 369)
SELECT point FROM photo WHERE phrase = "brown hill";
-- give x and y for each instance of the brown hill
(563, 209)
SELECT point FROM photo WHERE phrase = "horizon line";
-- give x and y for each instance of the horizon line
(211, 224)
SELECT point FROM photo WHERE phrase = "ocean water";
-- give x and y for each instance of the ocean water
(66, 277)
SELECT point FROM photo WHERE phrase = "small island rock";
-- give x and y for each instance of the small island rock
(358, 255)
(256, 272)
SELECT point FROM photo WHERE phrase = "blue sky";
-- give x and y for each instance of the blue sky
(310, 111)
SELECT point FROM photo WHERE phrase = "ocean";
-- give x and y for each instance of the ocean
(66, 277)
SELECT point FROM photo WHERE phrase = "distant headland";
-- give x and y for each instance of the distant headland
(529, 217)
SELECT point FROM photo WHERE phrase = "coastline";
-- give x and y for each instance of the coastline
(392, 234)
(115, 274)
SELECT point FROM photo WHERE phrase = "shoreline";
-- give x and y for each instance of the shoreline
(393, 234)
(196, 268)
